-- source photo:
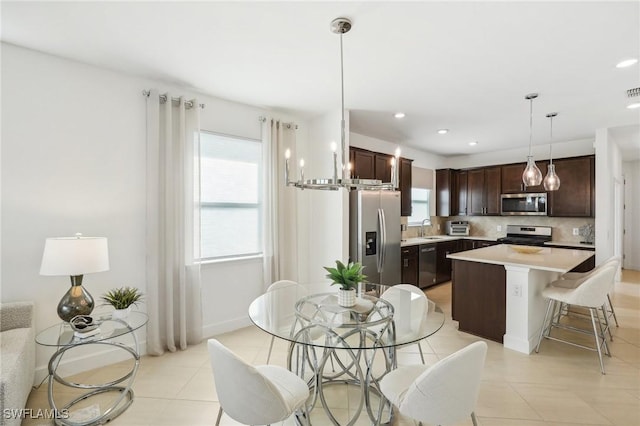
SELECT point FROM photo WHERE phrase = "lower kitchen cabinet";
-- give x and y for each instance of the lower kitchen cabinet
(475, 244)
(443, 264)
(409, 259)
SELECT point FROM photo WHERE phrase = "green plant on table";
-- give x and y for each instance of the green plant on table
(347, 276)
(122, 298)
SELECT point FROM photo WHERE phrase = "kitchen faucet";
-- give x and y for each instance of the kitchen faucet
(422, 227)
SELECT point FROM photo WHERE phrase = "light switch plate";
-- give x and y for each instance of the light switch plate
(499, 228)
(576, 231)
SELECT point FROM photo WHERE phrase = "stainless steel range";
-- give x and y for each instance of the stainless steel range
(526, 235)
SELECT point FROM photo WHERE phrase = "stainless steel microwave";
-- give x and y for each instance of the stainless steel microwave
(525, 204)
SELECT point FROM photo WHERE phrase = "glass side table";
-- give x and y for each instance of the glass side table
(62, 337)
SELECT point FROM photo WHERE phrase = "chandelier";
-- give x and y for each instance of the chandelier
(341, 177)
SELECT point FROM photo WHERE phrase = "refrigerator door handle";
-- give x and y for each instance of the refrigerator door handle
(383, 239)
(380, 241)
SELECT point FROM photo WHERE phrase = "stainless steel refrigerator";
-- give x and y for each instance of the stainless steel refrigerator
(374, 234)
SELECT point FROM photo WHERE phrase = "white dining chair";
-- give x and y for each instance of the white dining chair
(410, 306)
(574, 279)
(590, 294)
(444, 393)
(255, 395)
(284, 309)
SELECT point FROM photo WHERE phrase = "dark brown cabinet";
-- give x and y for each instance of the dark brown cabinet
(405, 186)
(409, 258)
(445, 192)
(443, 264)
(468, 244)
(375, 165)
(512, 178)
(577, 183)
(483, 191)
(461, 190)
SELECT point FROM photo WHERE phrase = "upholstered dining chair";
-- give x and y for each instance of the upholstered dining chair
(278, 285)
(255, 395)
(574, 279)
(444, 393)
(410, 313)
(590, 294)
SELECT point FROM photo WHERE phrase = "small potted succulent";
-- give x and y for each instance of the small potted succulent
(347, 277)
(122, 299)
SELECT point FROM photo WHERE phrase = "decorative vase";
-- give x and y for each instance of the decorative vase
(347, 298)
(121, 313)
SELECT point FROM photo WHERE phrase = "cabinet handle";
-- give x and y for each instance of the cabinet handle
(406, 263)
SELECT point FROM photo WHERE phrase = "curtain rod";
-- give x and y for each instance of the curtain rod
(163, 99)
(263, 119)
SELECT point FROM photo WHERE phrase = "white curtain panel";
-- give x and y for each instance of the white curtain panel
(173, 224)
(280, 224)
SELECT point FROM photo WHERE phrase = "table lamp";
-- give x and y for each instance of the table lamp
(75, 256)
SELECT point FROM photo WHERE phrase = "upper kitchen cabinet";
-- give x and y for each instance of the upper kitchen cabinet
(483, 191)
(376, 165)
(460, 183)
(405, 186)
(575, 198)
(512, 178)
(364, 164)
(446, 193)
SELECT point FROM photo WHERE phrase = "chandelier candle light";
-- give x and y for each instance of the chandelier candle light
(343, 179)
(532, 176)
(551, 180)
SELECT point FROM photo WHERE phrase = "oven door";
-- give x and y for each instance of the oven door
(527, 204)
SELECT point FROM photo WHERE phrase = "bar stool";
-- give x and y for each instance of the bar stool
(590, 294)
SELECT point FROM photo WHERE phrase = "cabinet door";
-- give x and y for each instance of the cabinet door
(363, 164)
(512, 178)
(383, 167)
(475, 192)
(410, 265)
(443, 265)
(492, 190)
(405, 186)
(461, 185)
(573, 199)
(445, 192)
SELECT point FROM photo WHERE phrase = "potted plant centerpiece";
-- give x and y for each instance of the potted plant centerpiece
(122, 299)
(347, 277)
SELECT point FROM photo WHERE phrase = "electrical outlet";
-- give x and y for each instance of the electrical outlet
(499, 228)
(576, 231)
(517, 290)
(438, 227)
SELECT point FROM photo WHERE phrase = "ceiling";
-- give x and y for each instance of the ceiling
(464, 66)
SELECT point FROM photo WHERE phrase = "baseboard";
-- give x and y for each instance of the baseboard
(225, 327)
(80, 364)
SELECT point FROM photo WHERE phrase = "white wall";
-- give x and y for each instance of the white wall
(73, 160)
(517, 155)
(631, 171)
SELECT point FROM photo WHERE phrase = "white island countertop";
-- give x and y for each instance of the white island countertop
(548, 259)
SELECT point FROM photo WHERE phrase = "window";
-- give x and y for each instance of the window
(420, 206)
(230, 196)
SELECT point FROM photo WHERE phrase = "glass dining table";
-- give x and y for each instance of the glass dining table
(332, 345)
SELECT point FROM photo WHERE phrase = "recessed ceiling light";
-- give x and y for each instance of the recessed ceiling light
(443, 131)
(399, 115)
(627, 63)
(473, 143)
(634, 106)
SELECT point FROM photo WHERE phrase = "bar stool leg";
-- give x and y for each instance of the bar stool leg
(544, 325)
(615, 318)
(597, 338)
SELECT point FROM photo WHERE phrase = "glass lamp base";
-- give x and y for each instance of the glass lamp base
(76, 301)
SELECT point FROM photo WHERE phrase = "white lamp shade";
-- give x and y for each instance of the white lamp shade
(75, 256)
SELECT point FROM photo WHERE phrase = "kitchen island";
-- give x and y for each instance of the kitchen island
(496, 291)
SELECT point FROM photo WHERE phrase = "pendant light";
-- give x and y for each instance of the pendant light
(532, 176)
(551, 180)
(341, 177)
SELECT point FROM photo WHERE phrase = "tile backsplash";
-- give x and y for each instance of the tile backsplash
(487, 226)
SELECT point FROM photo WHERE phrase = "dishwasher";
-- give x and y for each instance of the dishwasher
(427, 265)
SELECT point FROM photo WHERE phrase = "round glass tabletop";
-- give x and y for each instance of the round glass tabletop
(62, 334)
(384, 316)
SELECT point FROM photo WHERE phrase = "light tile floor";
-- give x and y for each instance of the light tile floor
(561, 385)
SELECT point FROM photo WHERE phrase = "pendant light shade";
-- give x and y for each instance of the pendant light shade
(532, 176)
(551, 180)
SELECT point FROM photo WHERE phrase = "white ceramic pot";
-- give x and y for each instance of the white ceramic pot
(121, 313)
(347, 298)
